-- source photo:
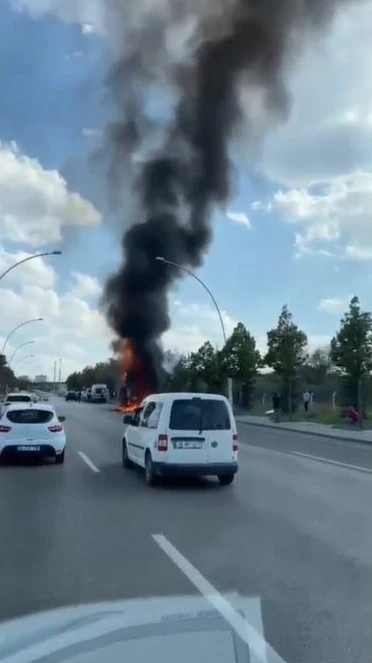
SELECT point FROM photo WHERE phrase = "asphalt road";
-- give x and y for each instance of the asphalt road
(293, 531)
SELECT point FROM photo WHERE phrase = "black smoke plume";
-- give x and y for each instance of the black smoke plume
(203, 54)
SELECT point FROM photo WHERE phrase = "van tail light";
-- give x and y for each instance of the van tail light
(56, 429)
(163, 443)
(235, 442)
(5, 429)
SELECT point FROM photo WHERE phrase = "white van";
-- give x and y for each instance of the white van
(98, 393)
(182, 434)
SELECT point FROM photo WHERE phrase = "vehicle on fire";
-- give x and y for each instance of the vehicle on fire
(187, 434)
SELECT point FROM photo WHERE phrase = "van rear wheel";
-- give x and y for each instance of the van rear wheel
(150, 476)
(226, 479)
(126, 460)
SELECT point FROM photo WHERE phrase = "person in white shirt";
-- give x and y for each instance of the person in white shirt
(306, 400)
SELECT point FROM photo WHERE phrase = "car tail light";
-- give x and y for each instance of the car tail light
(235, 442)
(5, 429)
(163, 443)
(56, 429)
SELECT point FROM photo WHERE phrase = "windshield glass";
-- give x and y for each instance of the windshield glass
(30, 416)
(18, 398)
(199, 413)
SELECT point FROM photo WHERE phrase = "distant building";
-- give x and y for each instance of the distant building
(24, 378)
(41, 378)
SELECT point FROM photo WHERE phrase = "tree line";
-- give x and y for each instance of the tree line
(287, 367)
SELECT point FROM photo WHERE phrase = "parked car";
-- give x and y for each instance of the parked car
(182, 434)
(32, 429)
(71, 396)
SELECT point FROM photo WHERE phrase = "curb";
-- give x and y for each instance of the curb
(304, 432)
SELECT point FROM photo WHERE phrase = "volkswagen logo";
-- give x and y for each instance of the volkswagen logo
(214, 444)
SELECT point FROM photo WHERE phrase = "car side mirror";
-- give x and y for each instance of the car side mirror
(128, 419)
(61, 419)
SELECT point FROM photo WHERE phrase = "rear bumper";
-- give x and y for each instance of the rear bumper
(203, 470)
(46, 450)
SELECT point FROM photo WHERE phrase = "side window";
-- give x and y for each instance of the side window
(150, 407)
(154, 417)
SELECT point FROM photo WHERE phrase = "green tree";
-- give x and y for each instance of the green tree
(205, 369)
(286, 353)
(351, 352)
(241, 360)
(7, 377)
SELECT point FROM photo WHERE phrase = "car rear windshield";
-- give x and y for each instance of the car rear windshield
(31, 416)
(18, 398)
(199, 414)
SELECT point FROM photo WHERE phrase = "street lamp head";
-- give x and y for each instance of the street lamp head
(56, 253)
(38, 319)
(160, 258)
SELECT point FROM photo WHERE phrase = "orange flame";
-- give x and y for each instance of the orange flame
(133, 376)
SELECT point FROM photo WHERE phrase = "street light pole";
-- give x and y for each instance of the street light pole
(22, 345)
(26, 322)
(188, 271)
(36, 255)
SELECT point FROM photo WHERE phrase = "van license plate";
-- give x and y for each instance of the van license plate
(29, 447)
(187, 445)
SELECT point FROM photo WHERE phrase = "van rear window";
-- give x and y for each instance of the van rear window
(31, 416)
(199, 414)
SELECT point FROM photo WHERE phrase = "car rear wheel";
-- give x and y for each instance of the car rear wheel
(150, 476)
(60, 458)
(226, 479)
(126, 460)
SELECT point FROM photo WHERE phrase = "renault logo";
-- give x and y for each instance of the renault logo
(214, 445)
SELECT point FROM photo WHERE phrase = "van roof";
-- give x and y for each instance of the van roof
(171, 396)
(18, 393)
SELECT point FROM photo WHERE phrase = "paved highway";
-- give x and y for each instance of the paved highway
(294, 531)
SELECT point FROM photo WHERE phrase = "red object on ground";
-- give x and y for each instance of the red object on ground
(354, 415)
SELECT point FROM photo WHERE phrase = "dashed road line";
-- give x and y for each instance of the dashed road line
(88, 462)
(255, 641)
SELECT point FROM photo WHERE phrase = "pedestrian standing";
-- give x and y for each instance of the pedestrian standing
(276, 406)
(306, 399)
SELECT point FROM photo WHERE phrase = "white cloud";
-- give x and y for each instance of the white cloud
(193, 324)
(334, 305)
(74, 55)
(329, 132)
(240, 218)
(71, 329)
(86, 286)
(87, 28)
(91, 132)
(36, 203)
(88, 13)
(335, 218)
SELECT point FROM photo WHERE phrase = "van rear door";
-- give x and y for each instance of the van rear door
(187, 442)
(218, 428)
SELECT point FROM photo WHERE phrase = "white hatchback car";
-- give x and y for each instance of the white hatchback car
(182, 434)
(32, 429)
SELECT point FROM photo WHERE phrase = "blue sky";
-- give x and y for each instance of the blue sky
(305, 247)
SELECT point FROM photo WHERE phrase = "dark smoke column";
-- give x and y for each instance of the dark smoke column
(231, 45)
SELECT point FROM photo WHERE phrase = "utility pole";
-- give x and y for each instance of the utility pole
(60, 372)
(54, 375)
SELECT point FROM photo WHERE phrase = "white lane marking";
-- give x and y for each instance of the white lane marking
(332, 462)
(88, 462)
(261, 649)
